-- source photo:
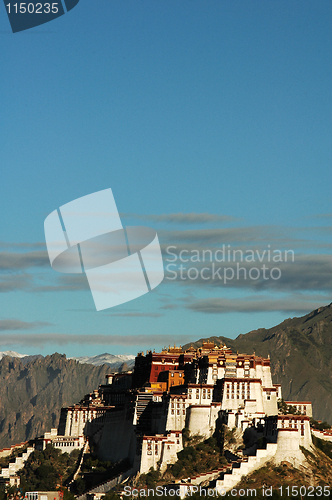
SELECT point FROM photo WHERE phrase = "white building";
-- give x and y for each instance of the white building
(140, 415)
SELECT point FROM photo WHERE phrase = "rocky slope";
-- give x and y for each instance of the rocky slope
(301, 357)
(32, 394)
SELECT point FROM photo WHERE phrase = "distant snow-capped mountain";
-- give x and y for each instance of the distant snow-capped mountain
(13, 354)
(113, 360)
(107, 359)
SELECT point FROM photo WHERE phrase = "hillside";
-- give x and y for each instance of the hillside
(301, 357)
(32, 393)
(315, 471)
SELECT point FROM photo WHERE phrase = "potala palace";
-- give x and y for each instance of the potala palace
(139, 415)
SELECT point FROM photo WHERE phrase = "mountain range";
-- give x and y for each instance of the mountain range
(33, 392)
(34, 388)
(301, 357)
(112, 360)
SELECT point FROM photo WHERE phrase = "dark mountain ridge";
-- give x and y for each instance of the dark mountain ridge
(301, 357)
(32, 393)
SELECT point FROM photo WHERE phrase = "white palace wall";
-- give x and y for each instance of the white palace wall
(159, 450)
(118, 439)
(199, 420)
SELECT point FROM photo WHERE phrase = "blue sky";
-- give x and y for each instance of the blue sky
(214, 107)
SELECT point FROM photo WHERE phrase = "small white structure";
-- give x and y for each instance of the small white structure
(159, 450)
(303, 407)
(63, 443)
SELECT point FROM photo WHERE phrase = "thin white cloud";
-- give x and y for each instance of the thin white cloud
(320, 216)
(23, 245)
(183, 218)
(14, 282)
(136, 315)
(17, 261)
(16, 324)
(250, 305)
(42, 339)
(65, 283)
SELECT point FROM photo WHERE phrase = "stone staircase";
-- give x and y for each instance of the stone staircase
(143, 411)
(244, 466)
(107, 485)
(78, 469)
(207, 476)
(18, 464)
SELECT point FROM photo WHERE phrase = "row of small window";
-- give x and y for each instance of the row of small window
(237, 396)
(197, 390)
(244, 393)
(206, 393)
(99, 418)
(178, 412)
(204, 396)
(243, 390)
(293, 427)
(149, 450)
(163, 361)
(238, 385)
(178, 405)
(299, 408)
(291, 423)
(64, 444)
